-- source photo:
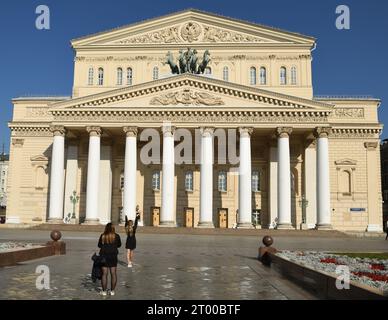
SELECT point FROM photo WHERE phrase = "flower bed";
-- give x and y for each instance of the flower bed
(367, 271)
(13, 246)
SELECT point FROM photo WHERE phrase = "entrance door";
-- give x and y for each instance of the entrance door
(189, 213)
(155, 214)
(223, 217)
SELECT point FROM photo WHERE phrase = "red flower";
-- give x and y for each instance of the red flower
(329, 260)
(371, 275)
(377, 266)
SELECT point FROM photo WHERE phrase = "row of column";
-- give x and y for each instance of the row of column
(167, 216)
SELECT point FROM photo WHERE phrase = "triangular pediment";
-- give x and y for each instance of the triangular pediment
(191, 27)
(346, 162)
(194, 91)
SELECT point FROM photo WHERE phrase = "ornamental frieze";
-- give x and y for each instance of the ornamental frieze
(187, 97)
(355, 133)
(38, 112)
(349, 113)
(31, 132)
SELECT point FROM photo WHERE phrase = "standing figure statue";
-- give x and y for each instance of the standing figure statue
(182, 61)
(193, 62)
(170, 60)
(205, 62)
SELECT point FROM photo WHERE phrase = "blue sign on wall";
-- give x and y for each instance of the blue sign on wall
(357, 209)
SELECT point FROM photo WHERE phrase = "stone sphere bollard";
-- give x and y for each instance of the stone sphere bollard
(267, 241)
(264, 252)
(56, 235)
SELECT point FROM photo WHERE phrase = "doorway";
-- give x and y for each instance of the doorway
(155, 216)
(189, 217)
(223, 218)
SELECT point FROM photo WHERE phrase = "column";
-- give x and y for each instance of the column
(375, 220)
(310, 183)
(167, 214)
(71, 175)
(57, 178)
(105, 183)
(284, 179)
(245, 176)
(92, 186)
(273, 185)
(130, 166)
(206, 179)
(323, 181)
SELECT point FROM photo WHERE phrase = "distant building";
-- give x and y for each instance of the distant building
(4, 160)
(384, 178)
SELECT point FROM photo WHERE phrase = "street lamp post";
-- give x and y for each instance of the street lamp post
(303, 202)
(74, 198)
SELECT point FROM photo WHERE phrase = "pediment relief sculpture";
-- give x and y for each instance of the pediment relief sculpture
(191, 32)
(187, 97)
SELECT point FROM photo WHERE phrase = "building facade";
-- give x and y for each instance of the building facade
(302, 160)
(384, 179)
(4, 163)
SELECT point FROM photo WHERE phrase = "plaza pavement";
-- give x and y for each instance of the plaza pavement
(171, 266)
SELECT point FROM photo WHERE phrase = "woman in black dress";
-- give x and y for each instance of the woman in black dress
(109, 243)
(130, 245)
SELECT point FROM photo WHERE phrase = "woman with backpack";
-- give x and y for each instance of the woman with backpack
(109, 243)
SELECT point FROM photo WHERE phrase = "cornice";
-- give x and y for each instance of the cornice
(218, 116)
(195, 81)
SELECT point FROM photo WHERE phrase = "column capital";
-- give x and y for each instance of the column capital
(206, 131)
(370, 146)
(130, 131)
(283, 132)
(322, 132)
(94, 131)
(168, 130)
(58, 130)
(245, 131)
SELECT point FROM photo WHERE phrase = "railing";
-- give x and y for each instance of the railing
(344, 97)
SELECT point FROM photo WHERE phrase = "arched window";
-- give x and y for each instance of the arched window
(346, 182)
(155, 73)
(119, 76)
(225, 74)
(100, 76)
(189, 181)
(222, 181)
(156, 180)
(283, 76)
(293, 75)
(252, 76)
(208, 70)
(255, 181)
(129, 76)
(90, 76)
(263, 76)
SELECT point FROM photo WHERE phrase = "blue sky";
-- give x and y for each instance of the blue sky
(40, 62)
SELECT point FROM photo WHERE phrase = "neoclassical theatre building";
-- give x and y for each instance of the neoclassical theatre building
(303, 161)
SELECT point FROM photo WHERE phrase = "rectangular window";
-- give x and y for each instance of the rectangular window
(156, 180)
(189, 181)
(255, 181)
(222, 181)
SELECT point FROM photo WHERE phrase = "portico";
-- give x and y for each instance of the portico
(205, 197)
